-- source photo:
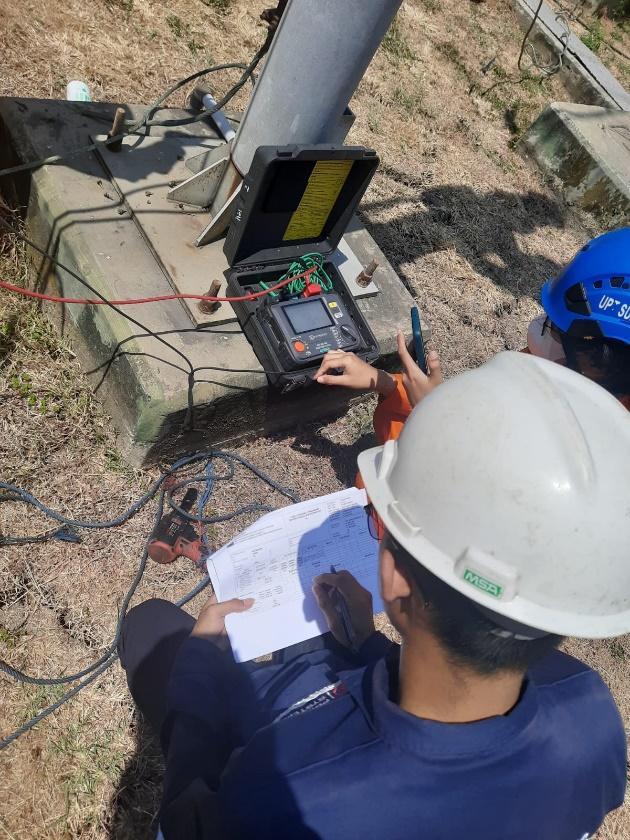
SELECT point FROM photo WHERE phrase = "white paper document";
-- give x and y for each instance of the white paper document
(275, 560)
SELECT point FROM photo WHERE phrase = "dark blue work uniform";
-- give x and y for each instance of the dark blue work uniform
(309, 750)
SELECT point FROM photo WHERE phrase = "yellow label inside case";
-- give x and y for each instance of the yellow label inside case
(321, 193)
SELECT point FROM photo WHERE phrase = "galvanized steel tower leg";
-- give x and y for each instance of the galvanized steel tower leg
(317, 58)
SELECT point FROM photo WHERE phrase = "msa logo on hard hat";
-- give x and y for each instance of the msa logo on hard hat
(487, 574)
(488, 586)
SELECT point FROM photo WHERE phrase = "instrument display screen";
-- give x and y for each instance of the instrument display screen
(307, 316)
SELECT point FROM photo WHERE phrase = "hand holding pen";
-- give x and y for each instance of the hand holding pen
(347, 607)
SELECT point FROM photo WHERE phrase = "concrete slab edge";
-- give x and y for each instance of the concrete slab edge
(559, 147)
(604, 87)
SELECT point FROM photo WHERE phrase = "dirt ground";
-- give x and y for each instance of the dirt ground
(472, 231)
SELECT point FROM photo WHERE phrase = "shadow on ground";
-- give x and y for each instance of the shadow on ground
(482, 227)
(134, 805)
(342, 456)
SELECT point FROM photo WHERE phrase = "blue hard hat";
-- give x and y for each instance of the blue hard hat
(591, 295)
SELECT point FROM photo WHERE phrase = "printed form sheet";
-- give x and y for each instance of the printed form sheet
(275, 560)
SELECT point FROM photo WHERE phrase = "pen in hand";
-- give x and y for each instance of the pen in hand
(344, 615)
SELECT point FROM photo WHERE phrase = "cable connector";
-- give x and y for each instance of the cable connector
(311, 290)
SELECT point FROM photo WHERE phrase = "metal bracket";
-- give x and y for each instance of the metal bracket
(201, 188)
(220, 221)
(201, 161)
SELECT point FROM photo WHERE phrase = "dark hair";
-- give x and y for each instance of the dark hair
(469, 636)
(608, 357)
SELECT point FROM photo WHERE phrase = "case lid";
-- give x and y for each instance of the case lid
(297, 199)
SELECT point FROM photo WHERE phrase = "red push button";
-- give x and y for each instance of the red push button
(299, 346)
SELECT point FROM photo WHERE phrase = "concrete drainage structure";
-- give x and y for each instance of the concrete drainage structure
(583, 73)
(585, 146)
(588, 149)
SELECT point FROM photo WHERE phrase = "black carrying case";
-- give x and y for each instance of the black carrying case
(294, 200)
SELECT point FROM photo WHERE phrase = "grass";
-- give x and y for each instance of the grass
(374, 124)
(221, 6)
(181, 29)
(177, 26)
(606, 32)
(124, 5)
(535, 85)
(396, 44)
(468, 226)
(38, 698)
(594, 38)
(89, 763)
(116, 463)
(7, 332)
(195, 46)
(452, 54)
(621, 10)
(497, 159)
(8, 638)
(95, 756)
(410, 102)
(617, 649)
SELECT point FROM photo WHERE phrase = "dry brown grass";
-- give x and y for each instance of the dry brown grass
(472, 231)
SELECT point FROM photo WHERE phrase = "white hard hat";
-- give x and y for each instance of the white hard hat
(511, 483)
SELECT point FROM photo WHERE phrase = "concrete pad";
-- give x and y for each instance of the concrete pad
(585, 75)
(191, 386)
(588, 149)
(143, 171)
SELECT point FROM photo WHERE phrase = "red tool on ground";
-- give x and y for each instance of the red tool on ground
(175, 536)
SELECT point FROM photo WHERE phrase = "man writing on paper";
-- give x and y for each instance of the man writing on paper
(504, 523)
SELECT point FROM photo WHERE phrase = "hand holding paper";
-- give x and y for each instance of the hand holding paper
(211, 622)
(275, 562)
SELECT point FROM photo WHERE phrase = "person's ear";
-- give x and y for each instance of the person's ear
(394, 585)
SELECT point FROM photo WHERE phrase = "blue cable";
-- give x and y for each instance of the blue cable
(203, 501)
(96, 672)
(208, 478)
(230, 457)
